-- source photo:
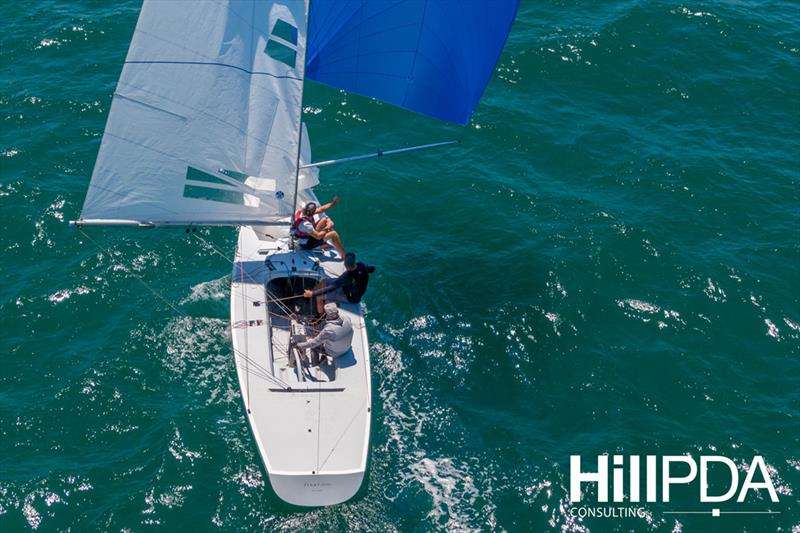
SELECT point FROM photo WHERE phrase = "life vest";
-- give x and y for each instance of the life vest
(299, 217)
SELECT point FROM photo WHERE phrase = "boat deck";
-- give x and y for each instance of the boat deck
(318, 426)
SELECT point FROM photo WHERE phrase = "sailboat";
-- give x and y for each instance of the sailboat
(205, 129)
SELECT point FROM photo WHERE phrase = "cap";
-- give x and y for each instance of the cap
(331, 310)
(349, 259)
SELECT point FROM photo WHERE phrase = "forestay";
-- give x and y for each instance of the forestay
(430, 56)
(207, 111)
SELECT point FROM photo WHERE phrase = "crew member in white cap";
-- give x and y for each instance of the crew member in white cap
(335, 337)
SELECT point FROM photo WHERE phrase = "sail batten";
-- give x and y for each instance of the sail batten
(203, 88)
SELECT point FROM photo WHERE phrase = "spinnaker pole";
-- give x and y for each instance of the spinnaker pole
(378, 154)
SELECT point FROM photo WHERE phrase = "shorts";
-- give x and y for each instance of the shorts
(312, 243)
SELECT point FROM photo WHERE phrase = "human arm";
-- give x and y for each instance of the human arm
(318, 340)
(327, 285)
(323, 208)
(330, 286)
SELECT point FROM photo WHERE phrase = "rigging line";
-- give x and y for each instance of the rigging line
(242, 273)
(289, 318)
(278, 315)
(276, 380)
(258, 367)
(214, 248)
(221, 254)
(271, 298)
(285, 298)
(280, 346)
(247, 359)
(240, 265)
(339, 440)
(137, 277)
(268, 376)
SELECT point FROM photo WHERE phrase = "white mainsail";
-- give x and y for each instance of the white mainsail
(206, 112)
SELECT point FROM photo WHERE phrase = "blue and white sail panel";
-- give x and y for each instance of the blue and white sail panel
(206, 115)
(430, 56)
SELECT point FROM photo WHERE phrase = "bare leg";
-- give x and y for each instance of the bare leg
(336, 241)
(322, 224)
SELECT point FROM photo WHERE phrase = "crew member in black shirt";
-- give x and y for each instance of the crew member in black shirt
(347, 288)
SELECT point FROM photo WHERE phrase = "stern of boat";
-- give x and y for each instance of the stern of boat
(316, 490)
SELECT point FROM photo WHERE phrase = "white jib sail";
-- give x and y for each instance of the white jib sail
(207, 111)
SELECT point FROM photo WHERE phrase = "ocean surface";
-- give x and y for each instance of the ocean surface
(608, 263)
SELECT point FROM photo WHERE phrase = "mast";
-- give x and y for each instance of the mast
(300, 121)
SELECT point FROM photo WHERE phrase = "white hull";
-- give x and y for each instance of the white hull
(313, 438)
(316, 490)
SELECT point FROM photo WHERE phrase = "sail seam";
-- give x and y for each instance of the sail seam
(213, 64)
(341, 30)
(414, 61)
(239, 129)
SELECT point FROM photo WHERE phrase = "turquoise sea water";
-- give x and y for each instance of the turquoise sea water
(609, 263)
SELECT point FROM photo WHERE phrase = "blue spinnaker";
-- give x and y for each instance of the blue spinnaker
(430, 56)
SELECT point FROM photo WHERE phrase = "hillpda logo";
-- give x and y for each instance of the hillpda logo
(660, 475)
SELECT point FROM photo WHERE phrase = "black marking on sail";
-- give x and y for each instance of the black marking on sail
(211, 194)
(282, 44)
